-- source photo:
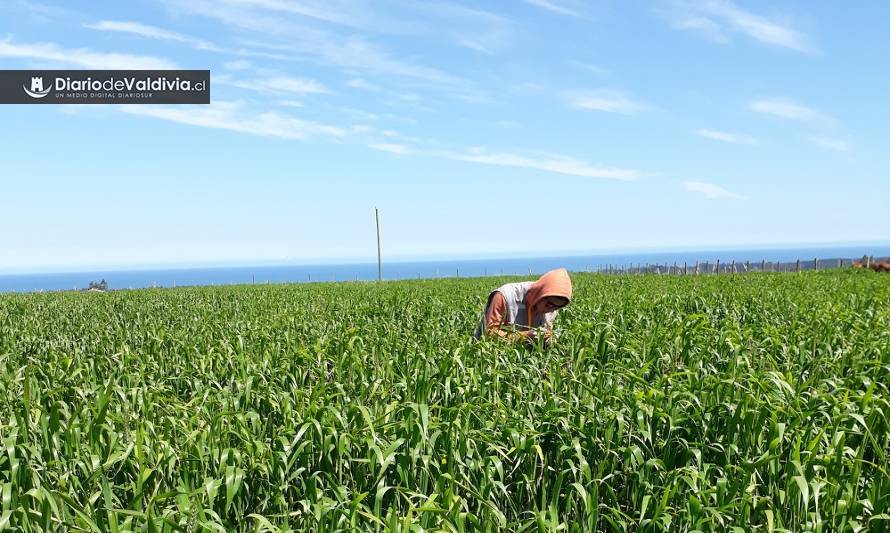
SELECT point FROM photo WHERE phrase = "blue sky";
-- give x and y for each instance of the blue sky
(478, 129)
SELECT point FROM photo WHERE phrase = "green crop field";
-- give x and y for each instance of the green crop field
(732, 402)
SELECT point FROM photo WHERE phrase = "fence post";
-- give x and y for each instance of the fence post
(717, 269)
(685, 270)
(797, 267)
(816, 264)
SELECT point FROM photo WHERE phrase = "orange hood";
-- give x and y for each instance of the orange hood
(554, 283)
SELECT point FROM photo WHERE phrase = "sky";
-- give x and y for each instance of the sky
(478, 129)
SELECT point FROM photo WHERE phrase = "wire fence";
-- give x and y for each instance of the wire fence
(742, 267)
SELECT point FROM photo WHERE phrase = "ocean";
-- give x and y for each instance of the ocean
(179, 277)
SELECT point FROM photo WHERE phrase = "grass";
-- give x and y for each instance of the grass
(735, 403)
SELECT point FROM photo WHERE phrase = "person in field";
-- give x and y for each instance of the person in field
(525, 311)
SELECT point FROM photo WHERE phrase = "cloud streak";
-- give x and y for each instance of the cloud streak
(151, 32)
(277, 31)
(557, 164)
(709, 190)
(717, 19)
(277, 84)
(604, 100)
(554, 7)
(732, 138)
(787, 109)
(83, 57)
(393, 148)
(231, 116)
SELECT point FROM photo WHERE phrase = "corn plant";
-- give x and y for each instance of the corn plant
(709, 403)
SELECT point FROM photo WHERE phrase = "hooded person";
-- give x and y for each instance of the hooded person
(526, 310)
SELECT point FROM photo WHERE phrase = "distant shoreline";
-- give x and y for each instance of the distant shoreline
(768, 259)
(767, 251)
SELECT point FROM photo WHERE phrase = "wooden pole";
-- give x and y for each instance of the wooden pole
(379, 260)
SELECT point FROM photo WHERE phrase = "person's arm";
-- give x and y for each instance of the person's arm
(494, 319)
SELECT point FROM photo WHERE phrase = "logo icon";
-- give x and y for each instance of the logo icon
(37, 90)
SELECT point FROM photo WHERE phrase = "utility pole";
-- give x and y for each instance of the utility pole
(379, 262)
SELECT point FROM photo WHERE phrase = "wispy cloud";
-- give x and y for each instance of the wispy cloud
(154, 32)
(558, 164)
(709, 190)
(605, 100)
(270, 30)
(238, 64)
(590, 67)
(232, 116)
(278, 84)
(393, 148)
(734, 138)
(82, 57)
(554, 7)
(151, 32)
(472, 28)
(717, 19)
(705, 26)
(837, 145)
(360, 113)
(357, 53)
(788, 109)
(348, 13)
(359, 83)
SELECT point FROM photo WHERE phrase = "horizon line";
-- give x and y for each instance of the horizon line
(296, 262)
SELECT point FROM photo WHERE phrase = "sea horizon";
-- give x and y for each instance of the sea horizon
(172, 276)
